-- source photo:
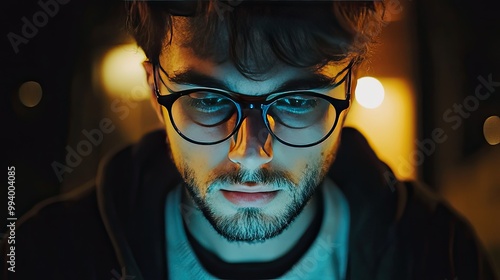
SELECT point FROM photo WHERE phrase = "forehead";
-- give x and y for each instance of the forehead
(178, 60)
(179, 57)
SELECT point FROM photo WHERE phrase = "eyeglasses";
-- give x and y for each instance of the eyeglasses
(208, 116)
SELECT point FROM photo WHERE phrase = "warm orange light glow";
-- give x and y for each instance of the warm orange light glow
(390, 127)
(122, 73)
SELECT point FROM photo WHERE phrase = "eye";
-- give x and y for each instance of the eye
(203, 109)
(295, 104)
(208, 102)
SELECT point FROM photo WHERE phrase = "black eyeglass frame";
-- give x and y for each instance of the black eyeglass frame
(245, 102)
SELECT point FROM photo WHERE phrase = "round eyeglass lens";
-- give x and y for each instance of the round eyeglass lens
(205, 117)
(301, 119)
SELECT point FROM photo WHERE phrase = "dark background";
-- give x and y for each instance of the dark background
(456, 41)
(55, 56)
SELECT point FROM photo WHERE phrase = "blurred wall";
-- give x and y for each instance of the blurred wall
(460, 78)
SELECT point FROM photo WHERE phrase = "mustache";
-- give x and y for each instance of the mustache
(260, 176)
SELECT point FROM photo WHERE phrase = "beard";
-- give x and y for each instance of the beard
(254, 224)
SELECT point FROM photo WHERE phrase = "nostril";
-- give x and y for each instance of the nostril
(247, 149)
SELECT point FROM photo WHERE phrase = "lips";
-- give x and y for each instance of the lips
(254, 199)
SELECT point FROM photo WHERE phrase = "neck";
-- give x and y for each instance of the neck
(265, 251)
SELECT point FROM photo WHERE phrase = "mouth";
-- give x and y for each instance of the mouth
(249, 198)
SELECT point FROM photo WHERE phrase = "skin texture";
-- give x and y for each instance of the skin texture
(246, 231)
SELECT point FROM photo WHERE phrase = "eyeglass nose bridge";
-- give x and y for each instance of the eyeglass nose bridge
(246, 106)
(265, 130)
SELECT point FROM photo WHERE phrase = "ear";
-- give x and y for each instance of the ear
(148, 67)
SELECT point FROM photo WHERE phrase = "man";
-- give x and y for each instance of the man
(253, 176)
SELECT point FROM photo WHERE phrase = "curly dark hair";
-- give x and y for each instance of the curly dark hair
(254, 35)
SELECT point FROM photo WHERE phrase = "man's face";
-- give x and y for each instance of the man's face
(251, 186)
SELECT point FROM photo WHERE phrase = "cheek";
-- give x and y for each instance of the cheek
(296, 160)
(330, 146)
(323, 153)
(199, 159)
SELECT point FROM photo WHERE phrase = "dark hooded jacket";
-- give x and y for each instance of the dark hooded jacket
(115, 229)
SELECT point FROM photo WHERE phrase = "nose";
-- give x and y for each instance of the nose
(251, 146)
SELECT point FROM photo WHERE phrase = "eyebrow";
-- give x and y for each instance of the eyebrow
(312, 81)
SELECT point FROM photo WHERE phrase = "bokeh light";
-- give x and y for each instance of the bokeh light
(30, 93)
(491, 130)
(369, 92)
